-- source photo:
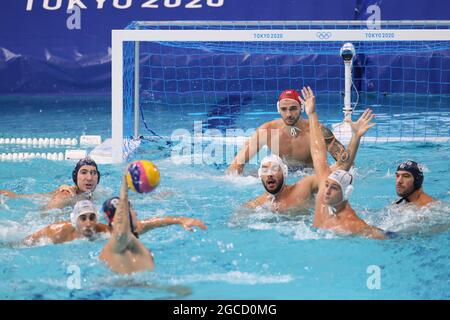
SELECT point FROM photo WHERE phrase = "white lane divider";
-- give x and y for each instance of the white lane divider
(36, 142)
(20, 156)
(69, 154)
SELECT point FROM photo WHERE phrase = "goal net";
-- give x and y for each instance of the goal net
(171, 75)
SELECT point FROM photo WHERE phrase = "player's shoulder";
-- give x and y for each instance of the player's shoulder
(61, 225)
(259, 200)
(426, 199)
(59, 230)
(274, 124)
(351, 216)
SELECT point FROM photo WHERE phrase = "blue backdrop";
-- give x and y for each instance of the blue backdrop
(39, 53)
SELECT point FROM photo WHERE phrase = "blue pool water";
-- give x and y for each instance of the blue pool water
(242, 255)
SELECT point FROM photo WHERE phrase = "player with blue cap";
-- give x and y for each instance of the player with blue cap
(408, 184)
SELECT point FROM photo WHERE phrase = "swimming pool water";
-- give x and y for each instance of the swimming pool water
(242, 255)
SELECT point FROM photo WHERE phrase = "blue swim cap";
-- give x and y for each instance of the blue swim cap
(416, 171)
(109, 208)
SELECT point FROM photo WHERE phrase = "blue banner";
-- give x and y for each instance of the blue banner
(64, 45)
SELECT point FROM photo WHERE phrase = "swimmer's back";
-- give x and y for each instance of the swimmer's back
(135, 258)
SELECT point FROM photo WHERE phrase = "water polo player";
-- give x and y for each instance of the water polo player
(287, 137)
(86, 177)
(84, 223)
(408, 184)
(124, 253)
(332, 209)
(297, 199)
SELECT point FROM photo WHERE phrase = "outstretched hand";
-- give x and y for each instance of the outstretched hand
(363, 124)
(8, 193)
(309, 100)
(67, 190)
(188, 223)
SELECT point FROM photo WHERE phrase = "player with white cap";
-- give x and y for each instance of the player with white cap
(298, 198)
(332, 209)
(83, 224)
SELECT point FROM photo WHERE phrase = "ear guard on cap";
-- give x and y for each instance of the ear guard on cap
(345, 180)
(348, 192)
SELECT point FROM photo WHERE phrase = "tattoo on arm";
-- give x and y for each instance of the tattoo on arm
(327, 134)
(335, 148)
(344, 158)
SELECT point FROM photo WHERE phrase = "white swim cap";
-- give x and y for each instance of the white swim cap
(274, 159)
(82, 207)
(345, 180)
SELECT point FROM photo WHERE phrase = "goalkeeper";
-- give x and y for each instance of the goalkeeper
(287, 137)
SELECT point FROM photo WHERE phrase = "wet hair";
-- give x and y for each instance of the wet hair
(84, 162)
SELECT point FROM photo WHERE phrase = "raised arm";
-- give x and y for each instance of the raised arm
(318, 149)
(334, 147)
(121, 232)
(187, 223)
(359, 128)
(248, 150)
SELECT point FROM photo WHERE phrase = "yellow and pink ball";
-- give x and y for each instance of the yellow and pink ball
(142, 176)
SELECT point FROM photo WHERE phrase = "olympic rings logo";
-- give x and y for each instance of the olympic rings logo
(323, 35)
